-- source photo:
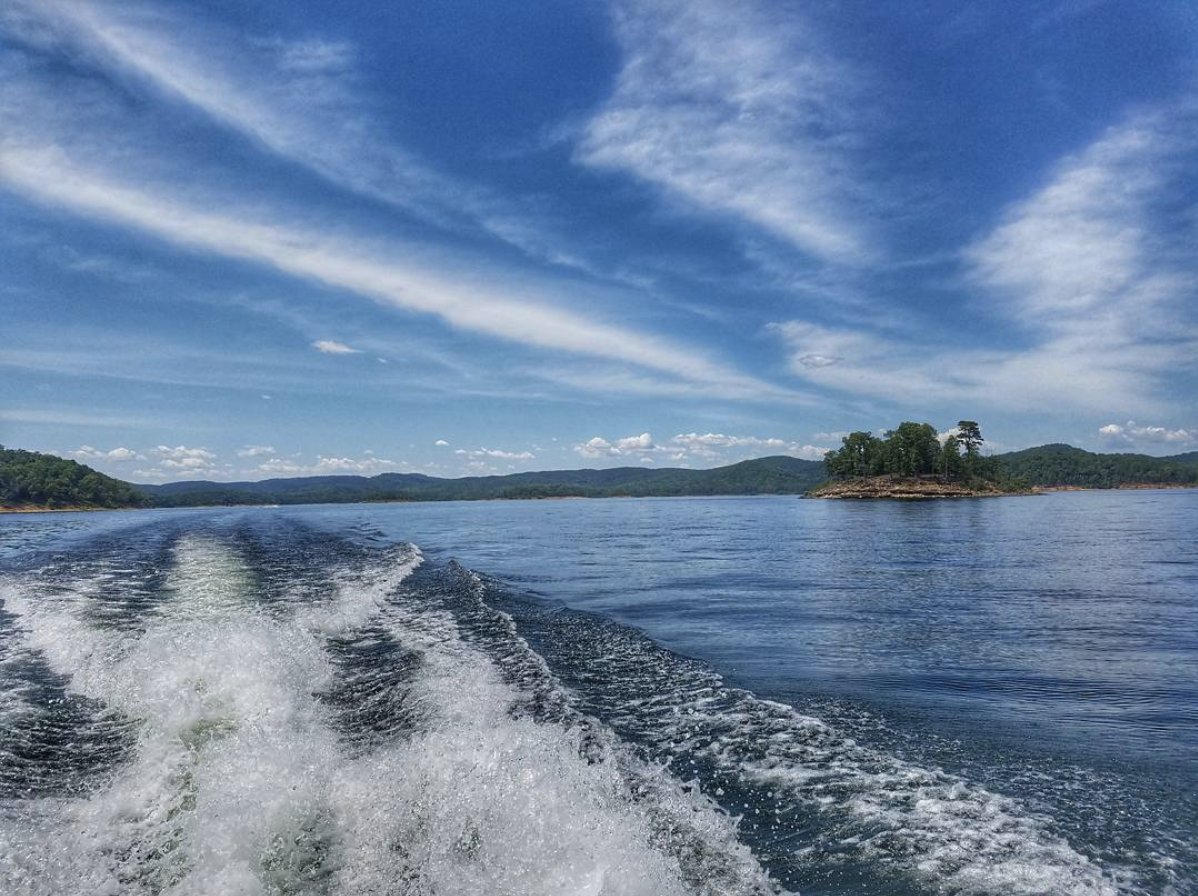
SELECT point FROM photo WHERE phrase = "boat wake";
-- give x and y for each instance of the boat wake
(244, 709)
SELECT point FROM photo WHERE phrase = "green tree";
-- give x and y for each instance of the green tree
(858, 456)
(912, 449)
(970, 435)
(950, 459)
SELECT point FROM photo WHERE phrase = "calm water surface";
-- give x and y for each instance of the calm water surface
(759, 694)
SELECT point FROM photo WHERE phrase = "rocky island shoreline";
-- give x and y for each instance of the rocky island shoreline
(910, 489)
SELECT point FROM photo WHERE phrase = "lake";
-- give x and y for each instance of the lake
(702, 695)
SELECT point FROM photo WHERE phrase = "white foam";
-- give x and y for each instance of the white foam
(953, 834)
(238, 783)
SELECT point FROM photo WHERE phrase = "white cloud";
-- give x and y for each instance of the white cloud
(711, 447)
(1086, 280)
(1132, 433)
(182, 452)
(694, 440)
(441, 443)
(255, 451)
(471, 301)
(183, 461)
(324, 465)
(1093, 266)
(600, 447)
(294, 99)
(734, 108)
(495, 454)
(715, 445)
(329, 347)
(91, 453)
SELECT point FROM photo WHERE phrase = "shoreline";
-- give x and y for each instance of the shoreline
(844, 491)
(886, 488)
(75, 508)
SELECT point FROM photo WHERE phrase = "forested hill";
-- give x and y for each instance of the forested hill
(1064, 465)
(32, 480)
(766, 475)
(29, 479)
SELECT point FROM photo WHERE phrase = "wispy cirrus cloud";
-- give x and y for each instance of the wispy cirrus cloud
(494, 454)
(291, 98)
(710, 447)
(300, 100)
(1094, 249)
(392, 276)
(735, 109)
(1090, 274)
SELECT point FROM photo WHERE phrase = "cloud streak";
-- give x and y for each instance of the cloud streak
(330, 347)
(708, 447)
(1089, 272)
(296, 100)
(736, 110)
(46, 175)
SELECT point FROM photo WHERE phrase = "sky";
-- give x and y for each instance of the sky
(245, 240)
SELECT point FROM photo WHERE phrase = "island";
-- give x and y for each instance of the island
(916, 462)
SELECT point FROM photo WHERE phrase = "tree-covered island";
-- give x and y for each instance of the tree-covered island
(915, 461)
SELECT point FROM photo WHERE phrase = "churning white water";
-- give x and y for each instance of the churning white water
(237, 782)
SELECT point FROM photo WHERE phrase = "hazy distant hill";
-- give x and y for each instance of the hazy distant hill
(30, 479)
(766, 475)
(1058, 464)
(42, 480)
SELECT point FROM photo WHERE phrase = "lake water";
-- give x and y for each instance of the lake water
(708, 695)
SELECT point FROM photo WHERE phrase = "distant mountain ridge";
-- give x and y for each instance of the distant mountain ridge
(32, 480)
(766, 475)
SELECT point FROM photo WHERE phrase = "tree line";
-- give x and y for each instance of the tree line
(30, 478)
(915, 450)
(1064, 465)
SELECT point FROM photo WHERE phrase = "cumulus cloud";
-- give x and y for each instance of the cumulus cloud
(255, 451)
(441, 443)
(123, 454)
(185, 461)
(329, 347)
(629, 445)
(1132, 433)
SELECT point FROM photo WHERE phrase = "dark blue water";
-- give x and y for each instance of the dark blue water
(991, 696)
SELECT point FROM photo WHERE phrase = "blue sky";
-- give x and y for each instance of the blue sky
(241, 240)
